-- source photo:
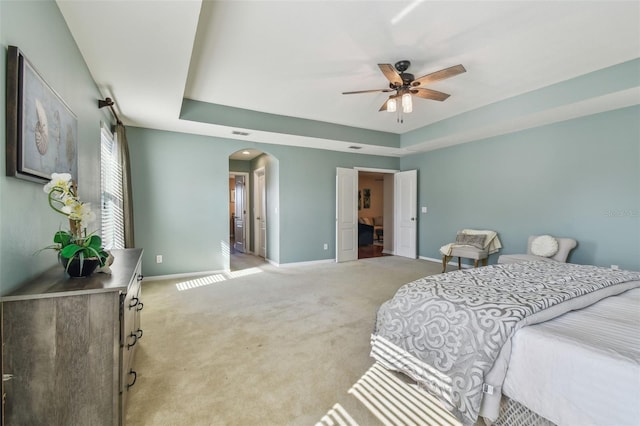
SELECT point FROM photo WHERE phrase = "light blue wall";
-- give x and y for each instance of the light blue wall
(26, 222)
(239, 166)
(180, 186)
(579, 178)
(204, 112)
(615, 79)
(307, 198)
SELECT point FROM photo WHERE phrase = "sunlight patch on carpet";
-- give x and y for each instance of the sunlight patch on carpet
(200, 282)
(337, 416)
(395, 402)
(392, 401)
(244, 272)
(215, 278)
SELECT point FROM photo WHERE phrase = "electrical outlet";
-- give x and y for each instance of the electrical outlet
(614, 267)
(326, 246)
(159, 258)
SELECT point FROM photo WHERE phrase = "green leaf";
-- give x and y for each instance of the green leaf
(94, 242)
(71, 250)
(62, 237)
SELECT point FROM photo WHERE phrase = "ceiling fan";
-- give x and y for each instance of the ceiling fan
(405, 86)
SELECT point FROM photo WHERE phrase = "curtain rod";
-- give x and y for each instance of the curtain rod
(109, 102)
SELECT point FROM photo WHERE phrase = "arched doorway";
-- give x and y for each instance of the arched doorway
(250, 225)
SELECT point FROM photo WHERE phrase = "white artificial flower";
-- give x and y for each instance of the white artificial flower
(71, 208)
(88, 217)
(68, 200)
(60, 180)
(80, 211)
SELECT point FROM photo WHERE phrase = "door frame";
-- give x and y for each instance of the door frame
(247, 222)
(406, 245)
(346, 224)
(357, 170)
(256, 235)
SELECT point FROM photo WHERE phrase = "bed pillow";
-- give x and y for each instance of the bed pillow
(544, 246)
(475, 240)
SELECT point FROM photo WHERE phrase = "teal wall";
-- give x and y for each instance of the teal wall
(579, 178)
(240, 166)
(204, 112)
(566, 94)
(180, 187)
(26, 222)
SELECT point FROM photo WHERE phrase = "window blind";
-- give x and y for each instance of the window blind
(112, 194)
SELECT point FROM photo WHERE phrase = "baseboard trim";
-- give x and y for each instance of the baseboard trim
(306, 263)
(271, 262)
(183, 275)
(451, 262)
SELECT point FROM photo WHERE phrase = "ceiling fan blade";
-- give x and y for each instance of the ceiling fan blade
(367, 91)
(390, 72)
(430, 94)
(439, 75)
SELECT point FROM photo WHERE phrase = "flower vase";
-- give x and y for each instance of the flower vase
(78, 269)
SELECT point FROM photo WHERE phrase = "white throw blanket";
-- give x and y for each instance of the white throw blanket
(491, 243)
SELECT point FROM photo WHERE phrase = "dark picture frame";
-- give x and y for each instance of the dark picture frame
(42, 131)
(367, 198)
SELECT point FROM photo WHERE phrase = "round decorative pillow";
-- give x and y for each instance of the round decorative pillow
(544, 245)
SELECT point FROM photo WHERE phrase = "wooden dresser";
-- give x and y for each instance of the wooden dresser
(69, 343)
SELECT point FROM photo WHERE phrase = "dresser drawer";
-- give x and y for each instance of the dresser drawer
(130, 335)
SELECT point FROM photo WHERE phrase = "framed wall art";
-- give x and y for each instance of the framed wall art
(42, 131)
(366, 203)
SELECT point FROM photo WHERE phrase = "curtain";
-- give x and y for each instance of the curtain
(127, 194)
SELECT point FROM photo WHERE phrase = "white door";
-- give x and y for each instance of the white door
(346, 215)
(240, 214)
(406, 194)
(260, 213)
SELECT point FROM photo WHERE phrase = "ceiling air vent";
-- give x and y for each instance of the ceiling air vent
(239, 133)
(355, 147)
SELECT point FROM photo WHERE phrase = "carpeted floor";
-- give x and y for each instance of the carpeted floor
(261, 345)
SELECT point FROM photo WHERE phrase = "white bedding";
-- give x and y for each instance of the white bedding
(582, 368)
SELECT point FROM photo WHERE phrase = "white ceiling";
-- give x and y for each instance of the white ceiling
(294, 58)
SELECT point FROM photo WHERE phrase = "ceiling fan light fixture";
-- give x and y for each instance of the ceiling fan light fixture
(391, 105)
(405, 85)
(407, 103)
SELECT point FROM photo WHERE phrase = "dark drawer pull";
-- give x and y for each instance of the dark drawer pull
(134, 302)
(140, 306)
(135, 377)
(135, 340)
(139, 333)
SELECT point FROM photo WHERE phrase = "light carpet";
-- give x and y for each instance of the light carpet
(261, 345)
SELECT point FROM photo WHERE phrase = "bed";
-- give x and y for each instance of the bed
(562, 340)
